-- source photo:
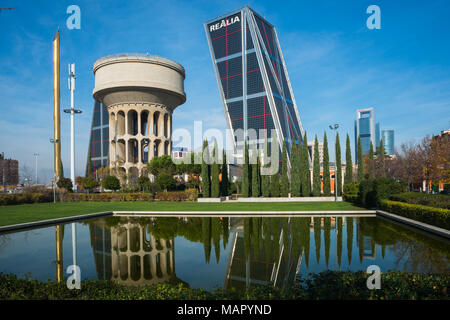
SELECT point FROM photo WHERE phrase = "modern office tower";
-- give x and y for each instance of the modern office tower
(252, 77)
(98, 150)
(388, 141)
(140, 92)
(9, 172)
(366, 129)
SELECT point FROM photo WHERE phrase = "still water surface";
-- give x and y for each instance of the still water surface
(215, 252)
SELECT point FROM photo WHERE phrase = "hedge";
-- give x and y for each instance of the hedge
(434, 216)
(353, 198)
(426, 199)
(24, 198)
(336, 285)
(21, 198)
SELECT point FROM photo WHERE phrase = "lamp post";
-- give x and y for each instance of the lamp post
(36, 156)
(72, 111)
(335, 127)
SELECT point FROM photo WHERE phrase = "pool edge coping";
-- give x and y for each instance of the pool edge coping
(414, 223)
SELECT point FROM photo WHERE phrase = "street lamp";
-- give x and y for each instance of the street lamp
(72, 111)
(335, 127)
(53, 141)
(36, 155)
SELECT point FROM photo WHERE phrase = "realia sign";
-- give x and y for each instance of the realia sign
(224, 23)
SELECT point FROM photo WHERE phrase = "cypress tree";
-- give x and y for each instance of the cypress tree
(360, 161)
(348, 163)
(316, 169)
(349, 221)
(216, 230)
(370, 163)
(206, 184)
(275, 185)
(245, 174)
(247, 239)
(89, 166)
(317, 236)
(326, 168)
(206, 237)
(327, 238)
(265, 179)
(225, 231)
(305, 237)
(284, 173)
(276, 236)
(256, 183)
(381, 160)
(215, 184)
(225, 183)
(339, 240)
(338, 166)
(306, 177)
(295, 170)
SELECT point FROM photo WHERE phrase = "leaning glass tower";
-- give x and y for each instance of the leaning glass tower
(252, 77)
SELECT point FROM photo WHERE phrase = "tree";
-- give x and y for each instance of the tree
(338, 166)
(165, 181)
(316, 169)
(224, 184)
(113, 183)
(90, 171)
(295, 170)
(275, 185)
(215, 184)
(284, 186)
(306, 177)
(206, 184)
(89, 184)
(245, 174)
(61, 169)
(381, 163)
(326, 168)
(360, 161)
(348, 178)
(65, 183)
(143, 182)
(371, 163)
(256, 174)
(161, 164)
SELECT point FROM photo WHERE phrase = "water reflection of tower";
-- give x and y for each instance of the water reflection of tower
(277, 269)
(129, 254)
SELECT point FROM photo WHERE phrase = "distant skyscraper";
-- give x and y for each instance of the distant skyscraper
(365, 128)
(252, 77)
(377, 135)
(98, 150)
(388, 141)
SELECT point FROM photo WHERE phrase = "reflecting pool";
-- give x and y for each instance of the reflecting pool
(214, 252)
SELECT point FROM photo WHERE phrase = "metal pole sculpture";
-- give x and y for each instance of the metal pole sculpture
(56, 108)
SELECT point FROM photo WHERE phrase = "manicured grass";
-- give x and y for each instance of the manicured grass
(15, 214)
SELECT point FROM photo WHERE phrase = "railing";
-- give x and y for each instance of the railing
(134, 55)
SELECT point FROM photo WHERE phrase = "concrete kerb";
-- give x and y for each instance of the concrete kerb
(49, 222)
(417, 224)
(55, 221)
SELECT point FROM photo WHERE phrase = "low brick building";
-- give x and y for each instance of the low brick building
(9, 171)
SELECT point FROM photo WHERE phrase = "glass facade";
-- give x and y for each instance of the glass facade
(98, 149)
(252, 78)
(365, 128)
(388, 141)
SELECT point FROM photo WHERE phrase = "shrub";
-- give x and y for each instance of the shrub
(89, 183)
(351, 188)
(144, 183)
(192, 194)
(432, 200)
(65, 183)
(434, 216)
(172, 196)
(165, 181)
(111, 183)
(353, 198)
(372, 191)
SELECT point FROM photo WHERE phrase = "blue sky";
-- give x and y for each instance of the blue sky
(336, 65)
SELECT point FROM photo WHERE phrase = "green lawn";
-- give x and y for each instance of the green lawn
(15, 214)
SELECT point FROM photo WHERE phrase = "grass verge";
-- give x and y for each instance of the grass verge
(15, 214)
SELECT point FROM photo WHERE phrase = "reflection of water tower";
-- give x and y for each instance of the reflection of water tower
(139, 258)
(140, 92)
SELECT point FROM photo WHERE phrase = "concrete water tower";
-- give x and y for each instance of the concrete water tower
(141, 92)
